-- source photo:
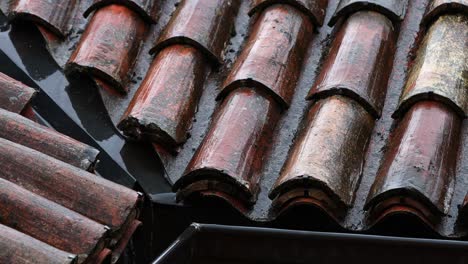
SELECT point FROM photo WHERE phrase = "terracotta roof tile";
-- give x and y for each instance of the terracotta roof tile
(271, 59)
(393, 9)
(441, 7)
(439, 72)
(52, 15)
(359, 66)
(20, 248)
(204, 24)
(315, 9)
(109, 46)
(328, 156)
(147, 9)
(28, 133)
(14, 96)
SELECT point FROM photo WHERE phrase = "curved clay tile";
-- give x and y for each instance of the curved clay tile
(146, 9)
(419, 166)
(272, 58)
(394, 9)
(231, 155)
(164, 105)
(109, 46)
(21, 130)
(359, 62)
(49, 222)
(204, 24)
(315, 9)
(439, 72)
(438, 8)
(19, 248)
(326, 160)
(14, 95)
(99, 199)
(53, 15)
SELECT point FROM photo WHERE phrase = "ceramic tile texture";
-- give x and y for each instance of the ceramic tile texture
(354, 111)
(53, 208)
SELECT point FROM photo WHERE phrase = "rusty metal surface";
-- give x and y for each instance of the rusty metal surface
(99, 199)
(328, 154)
(233, 149)
(21, 130)
(147, 9)
(51, 14)
(204, 24)
(394, 9)
(164, 105)
(109, 46)
(421, 159)
(314, 9)
(272, 57)
(19, 248)
(439, 72)
(14, 95)
(49, 222)
(438, 8)
(359, 61)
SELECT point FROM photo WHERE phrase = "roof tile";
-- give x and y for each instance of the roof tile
(438, 8)
(109, 46)
(163, 108)
(145, 8)
(20, 248)
(204, 24)
(315, 9)
(55, 16)
(14, 96)
(439, 72)
(328, 156)
(272, 57)
(359, 66)
(23, 131)
(394, 9)
(421, 160)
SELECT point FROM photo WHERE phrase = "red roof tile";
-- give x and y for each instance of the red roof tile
(14, 96)
(145, 8)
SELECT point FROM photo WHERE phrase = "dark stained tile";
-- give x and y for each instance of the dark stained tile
(393, 9)
(231, 154)
(420, 163)
(325, 164)
(315, 9)
(109, 46)
(99, 199)
(147, 9)
(442, 7)
(53, 15)
(163, 108)
(359, 62)
(49, 222)
(272, 57)
(439, 72)
(204, 24)
(14, 95)
(21, 130)
(20, 248)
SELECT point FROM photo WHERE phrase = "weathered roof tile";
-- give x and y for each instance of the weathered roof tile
(145, 8)
(14, 96)
(438, 8)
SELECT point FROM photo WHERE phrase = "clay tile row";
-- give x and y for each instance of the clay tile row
(54, 16)
(418, 170)
(14, 96)
(439, 72)
(229, 160)
(20, 248)
(325, 164)
(146, 9)
(271, 58)
(109, 46)
(314, 9)
(164, 105)
(393, 9)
